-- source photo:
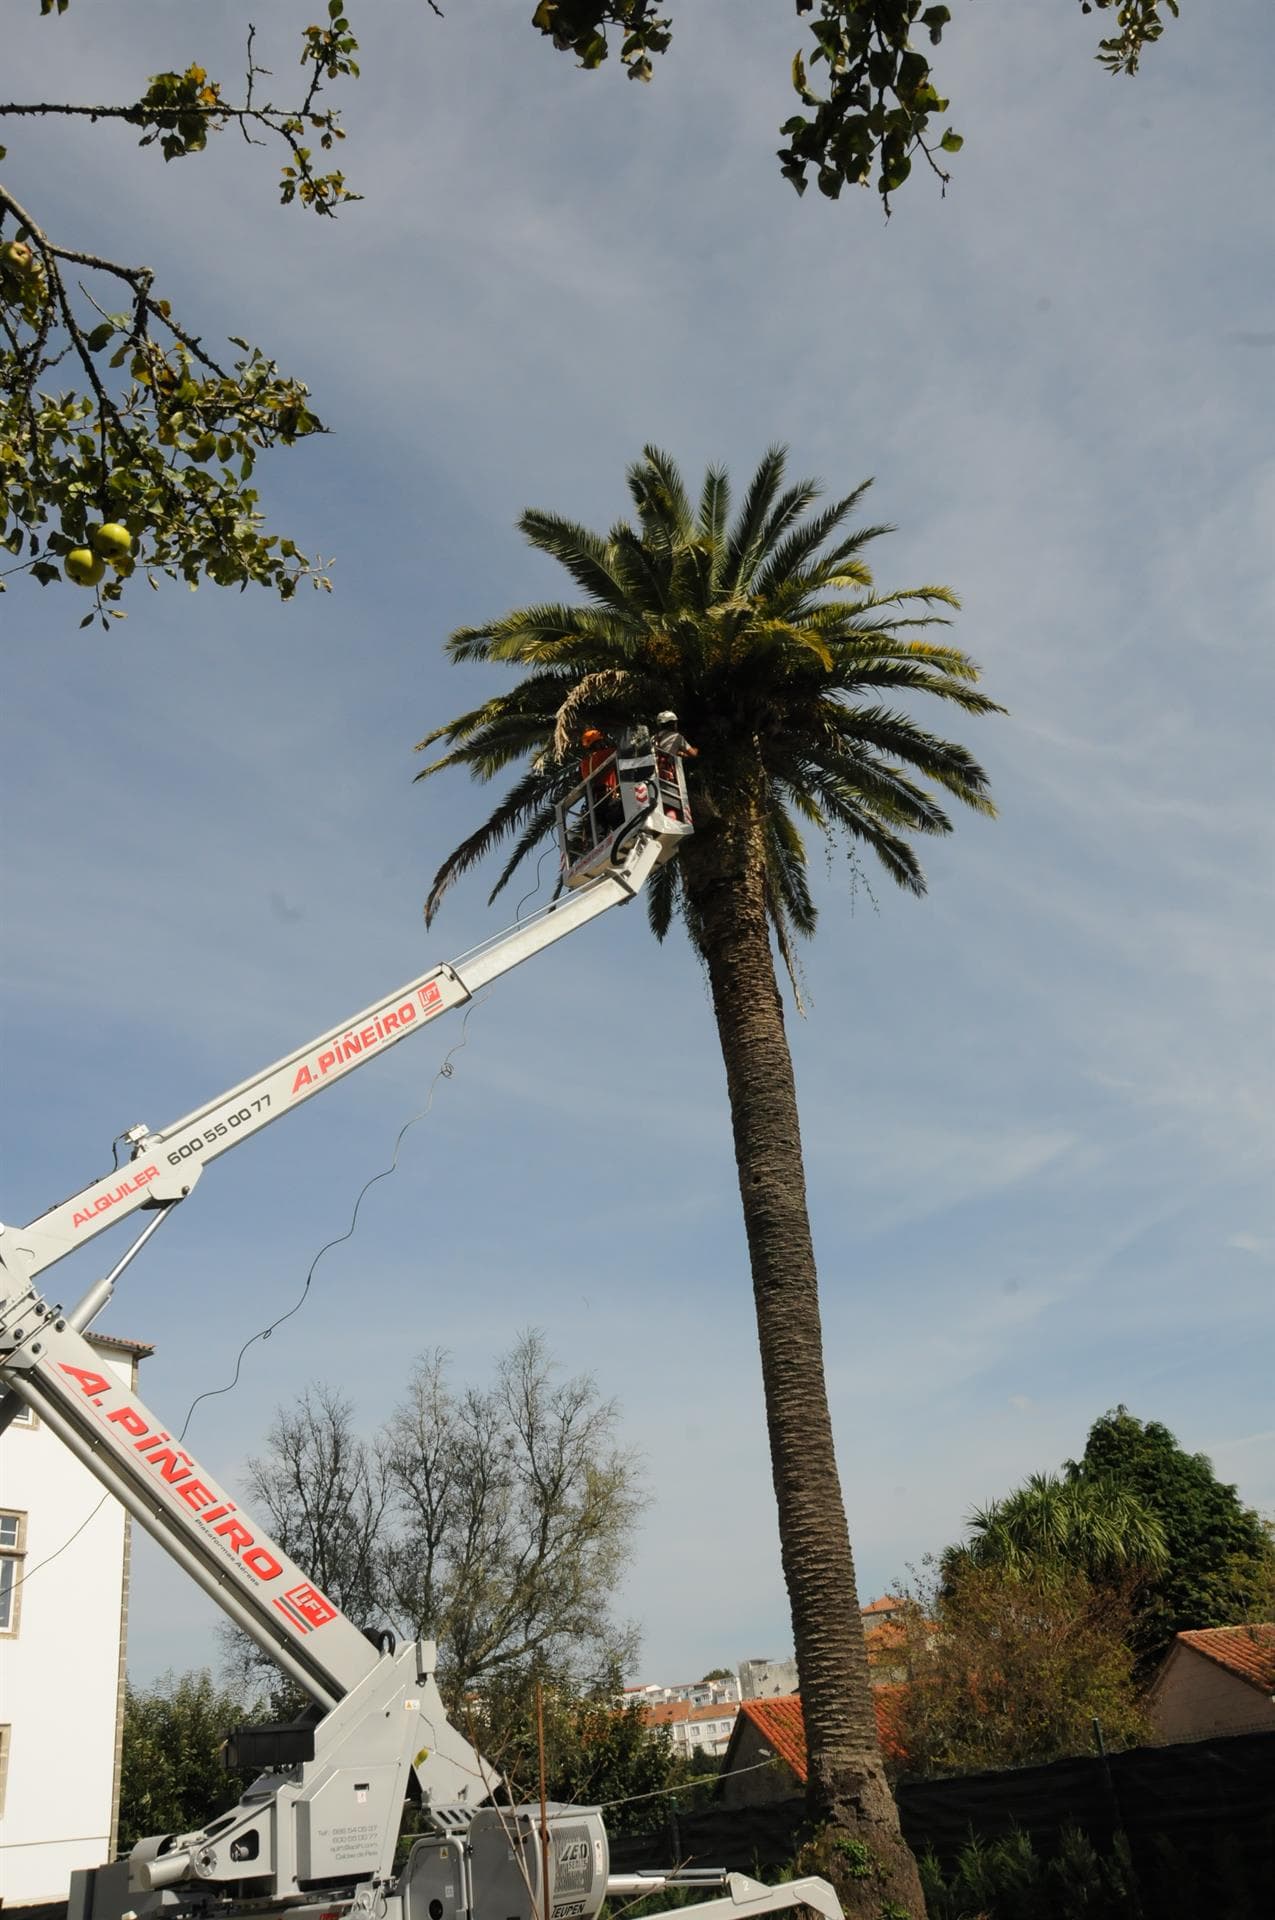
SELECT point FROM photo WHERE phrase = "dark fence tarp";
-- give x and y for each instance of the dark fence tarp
(1200, 1819)
(1193, 1797)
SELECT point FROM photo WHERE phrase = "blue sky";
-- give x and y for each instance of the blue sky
(1036, 1105)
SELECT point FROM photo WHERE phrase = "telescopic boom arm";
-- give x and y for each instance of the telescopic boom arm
(164, 1166)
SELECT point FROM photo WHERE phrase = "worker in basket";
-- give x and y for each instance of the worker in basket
(668, 741)
(604, 791)
(667, 737)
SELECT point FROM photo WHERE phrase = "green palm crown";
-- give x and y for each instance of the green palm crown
(764, 633)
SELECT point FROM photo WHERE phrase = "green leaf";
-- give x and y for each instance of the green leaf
(96, 340)
(952, 142)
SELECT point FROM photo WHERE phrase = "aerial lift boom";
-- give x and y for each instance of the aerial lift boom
(607, 857)
(316, 1832)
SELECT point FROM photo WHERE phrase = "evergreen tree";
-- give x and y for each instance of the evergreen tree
(171, 1775)
(1218, 1568)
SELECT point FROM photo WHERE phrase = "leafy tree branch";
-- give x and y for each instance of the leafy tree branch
(879, 105)
(124, 444)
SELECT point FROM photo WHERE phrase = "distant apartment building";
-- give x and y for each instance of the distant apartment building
(63, 1615)
(691, 1693)
(705, 1729)
(762, 1679)
(889, 1611)
(701, 1714)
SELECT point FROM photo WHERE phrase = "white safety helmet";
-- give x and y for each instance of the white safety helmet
(666, 719)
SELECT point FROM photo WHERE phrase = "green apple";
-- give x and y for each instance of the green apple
(84, 567)
(113, 541)
(18, 262)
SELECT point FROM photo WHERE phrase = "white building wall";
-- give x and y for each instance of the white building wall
(710, 1735)
(60, 1670)
(763, 1679)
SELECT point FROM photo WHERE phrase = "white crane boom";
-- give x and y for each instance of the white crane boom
(163, 1166)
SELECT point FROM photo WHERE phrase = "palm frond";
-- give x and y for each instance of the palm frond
(644, 574)
(661, 898)
(859, 784)
(532, 699)
(660, 494)
(945, 761)
(793, 552)
(469, 643)
(533, 634)
(595, 689)
(785, 513)
(861, 822)
(786, 865)
(538, 828)
(585, 555)
(746, 531)
(894, 853)
(783, 940)
(524, 799)
(714, 507)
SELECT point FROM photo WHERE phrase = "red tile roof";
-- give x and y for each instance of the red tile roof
(116, 1343)
(1247, 1652)
(667, 1713)
(663, 1713)
(780, 1724)
(888, 1603)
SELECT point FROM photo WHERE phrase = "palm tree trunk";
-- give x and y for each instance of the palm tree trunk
(846, 1786)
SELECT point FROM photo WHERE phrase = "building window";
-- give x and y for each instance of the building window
(13, 1544)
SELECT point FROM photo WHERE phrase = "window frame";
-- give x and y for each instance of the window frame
(14, 1556)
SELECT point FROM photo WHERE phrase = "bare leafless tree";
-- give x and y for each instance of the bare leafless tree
(493, 1520)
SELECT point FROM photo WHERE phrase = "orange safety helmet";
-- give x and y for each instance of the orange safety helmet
(590, 737)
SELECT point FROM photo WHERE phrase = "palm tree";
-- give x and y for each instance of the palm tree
(1091, 1526)
(765, 635)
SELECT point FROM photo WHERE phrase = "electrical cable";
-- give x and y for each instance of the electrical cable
(25, 1576)
(535, 885)
(661, 1792)
(444, 1072)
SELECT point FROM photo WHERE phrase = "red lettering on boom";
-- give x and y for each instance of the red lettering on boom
(172, 1466)
(105, 1201)
(130, 1421)
(176, 1469)
(90, 1382)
